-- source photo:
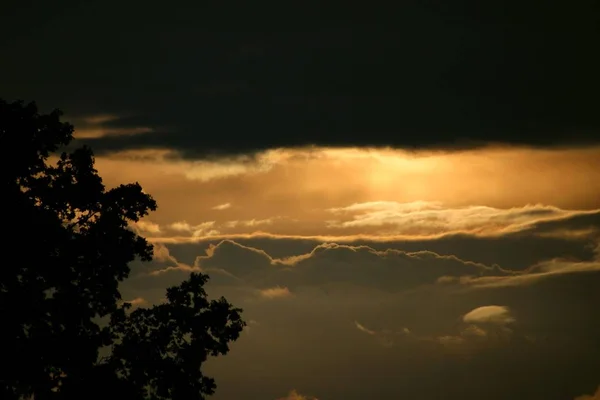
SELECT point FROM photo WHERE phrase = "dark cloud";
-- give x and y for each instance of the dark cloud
(333, 264)
(234, 79)
(513, 251)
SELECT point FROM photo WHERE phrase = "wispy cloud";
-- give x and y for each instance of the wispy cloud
(100, 132)
(595, 396)
(146, 227)
(545, 270)
(138, 301)
(223, 206)
(432, 217)
(250, 222)
(102, 126)
(199, 230)
(275, 292)
(384, 307)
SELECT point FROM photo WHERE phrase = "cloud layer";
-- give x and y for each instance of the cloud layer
(198, 76)
(383, 322)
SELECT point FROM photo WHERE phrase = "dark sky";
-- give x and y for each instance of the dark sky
(239, 78)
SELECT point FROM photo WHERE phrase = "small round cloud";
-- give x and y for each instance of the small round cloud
(498, 315)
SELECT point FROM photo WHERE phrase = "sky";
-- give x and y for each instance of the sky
(405, 202)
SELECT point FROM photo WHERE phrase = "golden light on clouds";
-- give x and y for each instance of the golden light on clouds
(595, 396)
(489, 314)
(96, 126)
(337, 192)
(93, 133)
(275, 292)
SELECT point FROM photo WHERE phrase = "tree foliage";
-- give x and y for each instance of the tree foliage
(68, 245)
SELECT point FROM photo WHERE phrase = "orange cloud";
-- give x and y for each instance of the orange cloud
(595, 396)
(137, 302)
(223, 206)
(499, 315)
(275, 292)
(427, 218)
(345, 192)
(544, 270)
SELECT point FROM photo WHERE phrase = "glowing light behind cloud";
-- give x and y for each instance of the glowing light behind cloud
(322, 191)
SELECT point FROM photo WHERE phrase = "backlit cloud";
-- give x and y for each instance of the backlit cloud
(137, 302)
(404, 188)
(545, 270)
(223, 206)
(199, 230)
(498, 315)
(595, 396)
(275, 292)
(384, 307)
(145, 227)
(426, 218)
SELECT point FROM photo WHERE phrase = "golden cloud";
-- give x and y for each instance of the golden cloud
(306, 185)
(595, 396)
(498, 315)
(275, 292)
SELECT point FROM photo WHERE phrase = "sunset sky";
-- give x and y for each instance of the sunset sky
(405, 209)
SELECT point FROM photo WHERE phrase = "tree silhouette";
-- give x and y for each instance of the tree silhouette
(67, 246)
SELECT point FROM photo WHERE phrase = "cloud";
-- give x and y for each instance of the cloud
(137, 302)
(163, 263)
(472, 335)
(91, 133)
(595, 396)
(178, 267)
(97, 126)
(223, 206)
(183, 226)
(250, 223)
(474, 331)
(372, 320)
(256, 123)
(386, 337)
(332, 263)
(255, 222)
(162, 254)
(362, 328)
(200, 230)
(513, 251)
(291, 185)
(443, 98)
(144, 227)
(410, 102)
(166, 161)
(294, 395)
(275, 292)
(497, 315)
(427, 218)
(542, 271)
